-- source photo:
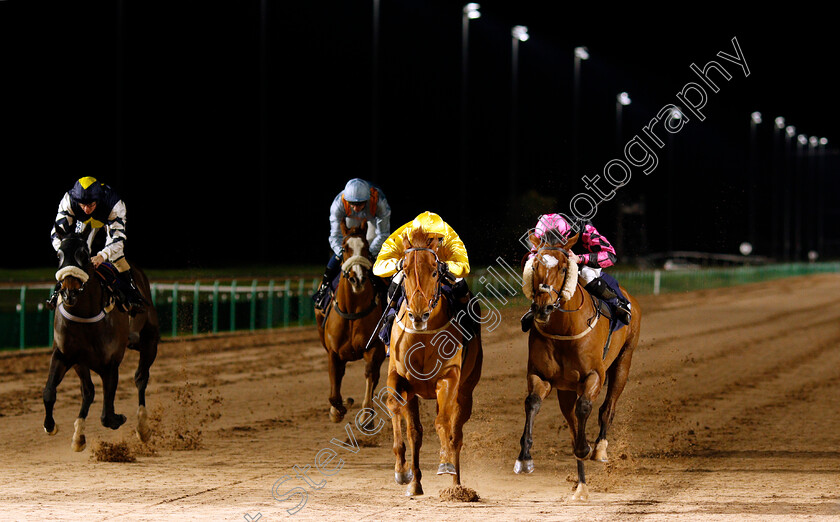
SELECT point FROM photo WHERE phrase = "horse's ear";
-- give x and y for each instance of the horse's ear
(406, 239)
(535, 241)
(571, 241)
(363, 227)
(343, 228)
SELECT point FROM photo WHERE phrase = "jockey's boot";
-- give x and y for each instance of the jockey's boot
(52, 300)
(461, 296)
(321, 297)
(600, 289)
(394, 295)
(133, 301)
(527, 320)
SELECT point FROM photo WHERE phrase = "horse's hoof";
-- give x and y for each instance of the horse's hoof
(414, 489)
(335, 415)
(143, 432)
(403, 477)
(446, 468)
(600, 454)
(581, 493)
(586, 454)
(523, 466)
(114, 422)
(54, 430)
(79, 444)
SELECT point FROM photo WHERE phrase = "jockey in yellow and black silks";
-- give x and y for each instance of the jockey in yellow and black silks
(91, 203)
(455, 264)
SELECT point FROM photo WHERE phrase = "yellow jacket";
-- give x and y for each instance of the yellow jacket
(451, 251)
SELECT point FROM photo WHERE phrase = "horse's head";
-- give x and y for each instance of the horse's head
(356, 262)
(73, 265)
(421, 276)
(549, 279)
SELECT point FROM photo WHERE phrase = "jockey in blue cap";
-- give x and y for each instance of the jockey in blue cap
(93, 204)
(360, 200)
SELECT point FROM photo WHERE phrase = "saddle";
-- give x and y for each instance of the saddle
(607, 308)
(115, 288)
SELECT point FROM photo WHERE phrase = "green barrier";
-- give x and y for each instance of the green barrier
(25, 321)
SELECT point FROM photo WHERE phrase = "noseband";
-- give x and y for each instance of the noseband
(549, 288)
(433, 302)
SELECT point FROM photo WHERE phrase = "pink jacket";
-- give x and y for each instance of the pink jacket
(600, 253)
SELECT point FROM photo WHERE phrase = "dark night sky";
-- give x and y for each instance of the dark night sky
(166, 108)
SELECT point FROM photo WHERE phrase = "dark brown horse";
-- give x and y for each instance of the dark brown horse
(347, 324)
(90, 335)
(566, 351)
(428, 361)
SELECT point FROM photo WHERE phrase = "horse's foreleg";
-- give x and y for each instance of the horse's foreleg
(414, 430)
(462, 415)
(336, 368)
(401, 474)
(537, 391)
(583, 407)
(616, 380)
(567, 401)
(110, 378)
(57, 370)
(148, 353)
(79, 442)
(373, 362)
(446, 390)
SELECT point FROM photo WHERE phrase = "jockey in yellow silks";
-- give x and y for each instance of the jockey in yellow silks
(451, 253)
(451, 250)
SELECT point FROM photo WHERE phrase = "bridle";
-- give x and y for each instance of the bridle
(349, 263)
(550, 288)
(68, 295)
(433, 302)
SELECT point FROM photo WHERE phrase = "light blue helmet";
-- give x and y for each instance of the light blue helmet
(357, 191)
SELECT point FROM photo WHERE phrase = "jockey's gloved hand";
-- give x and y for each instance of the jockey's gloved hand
(443, 268)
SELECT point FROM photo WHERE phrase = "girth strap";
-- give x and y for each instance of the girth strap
(355, 315)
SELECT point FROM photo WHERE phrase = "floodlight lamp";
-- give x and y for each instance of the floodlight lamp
(520, 32)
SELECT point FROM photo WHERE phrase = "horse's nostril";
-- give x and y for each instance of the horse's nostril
(411, 316)
(426, 316)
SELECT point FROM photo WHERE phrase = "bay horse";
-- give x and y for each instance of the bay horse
(567, 350)
(346, 325)
(91, 335)
(428, 361)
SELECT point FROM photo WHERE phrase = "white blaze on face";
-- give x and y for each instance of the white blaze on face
(355, 245)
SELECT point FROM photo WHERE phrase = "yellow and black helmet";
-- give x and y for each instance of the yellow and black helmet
(86, 191)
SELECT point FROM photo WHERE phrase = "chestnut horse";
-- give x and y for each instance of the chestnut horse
(426, 361)
(347, 324)
(566, 351)
(88, 335)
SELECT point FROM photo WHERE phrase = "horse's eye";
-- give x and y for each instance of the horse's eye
(434, 274)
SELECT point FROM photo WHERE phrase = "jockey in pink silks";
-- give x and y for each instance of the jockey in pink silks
(599, 254)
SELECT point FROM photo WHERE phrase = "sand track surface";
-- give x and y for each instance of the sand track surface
(731, 412)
